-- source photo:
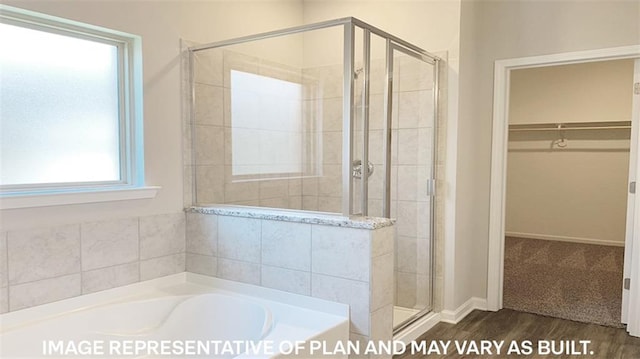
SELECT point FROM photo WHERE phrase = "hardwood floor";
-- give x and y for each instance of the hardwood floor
(513, 328)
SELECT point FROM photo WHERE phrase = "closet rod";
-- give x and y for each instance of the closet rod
(619, 125)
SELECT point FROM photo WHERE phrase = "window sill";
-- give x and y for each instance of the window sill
(58, 199)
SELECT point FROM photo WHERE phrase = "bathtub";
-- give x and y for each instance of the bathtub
(183, 315)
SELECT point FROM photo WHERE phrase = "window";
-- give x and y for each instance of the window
(267, 126)
(70, 101)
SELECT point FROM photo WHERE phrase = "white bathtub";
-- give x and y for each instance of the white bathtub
(184, 315)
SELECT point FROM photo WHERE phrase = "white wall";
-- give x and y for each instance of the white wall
(494, 30)
(161, 25)
(577, 192)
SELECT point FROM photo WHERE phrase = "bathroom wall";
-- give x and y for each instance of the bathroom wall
(43, 265)
(578, 192)
(50, 253)
(493, 30)
(348, 265)
(196, 21)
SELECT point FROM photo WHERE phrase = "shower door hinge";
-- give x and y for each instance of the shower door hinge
(627, 283)
(431, 187)
(636, 88)
(632, 187)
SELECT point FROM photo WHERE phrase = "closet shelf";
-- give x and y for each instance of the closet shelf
(609, 125)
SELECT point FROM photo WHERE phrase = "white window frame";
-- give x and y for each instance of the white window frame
(131, 184)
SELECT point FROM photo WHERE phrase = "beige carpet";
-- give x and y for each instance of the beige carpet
(581, 282)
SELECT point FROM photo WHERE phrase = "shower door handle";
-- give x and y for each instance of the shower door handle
(357, 169)
(431, 187)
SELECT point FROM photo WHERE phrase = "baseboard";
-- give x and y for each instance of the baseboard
(549, 237)
(415, 330)
(454, 316)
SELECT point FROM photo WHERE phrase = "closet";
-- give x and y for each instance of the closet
(567, 183)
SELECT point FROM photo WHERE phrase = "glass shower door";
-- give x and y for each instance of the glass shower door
(403, 189)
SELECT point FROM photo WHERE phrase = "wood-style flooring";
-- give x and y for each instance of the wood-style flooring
(512, 326)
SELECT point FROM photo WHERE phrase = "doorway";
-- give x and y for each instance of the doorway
(566, 196)
(503, 74)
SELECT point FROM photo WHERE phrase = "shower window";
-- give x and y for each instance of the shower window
(70, 106)
(266, 126)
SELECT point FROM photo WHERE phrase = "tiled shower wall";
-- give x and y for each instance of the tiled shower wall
(212, 128)
(348, 265)
(39, 266)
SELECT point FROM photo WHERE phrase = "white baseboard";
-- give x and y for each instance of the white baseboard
(415, 330)
(549, 237)
(454, 316)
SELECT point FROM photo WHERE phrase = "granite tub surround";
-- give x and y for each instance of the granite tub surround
(328, 219)
(348, 261)
(43, 265)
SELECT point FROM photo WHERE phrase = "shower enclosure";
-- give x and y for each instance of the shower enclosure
(336, 117)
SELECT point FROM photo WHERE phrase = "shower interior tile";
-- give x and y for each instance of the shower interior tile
(408, 183)
(424, 152)
(209, 105)
(332, 147)
(282, 202)
(202, 234)
(235, 61)
(209, 145)
(162, 266)
(295, 187)
(310, 203)
(187, 186)
(423, 222)
(208, 67)
(407, 218)
(423, 259)
(407, 147)
(235, 192)
(414, 75)
(162, 235)
(201, 264)
(295, 202)
(330, 183)
(330, 204)
(210, 184)
(43, 253)
(276, 188)
(331, 114)
(310, 186)
(405, 289)
(406, 254)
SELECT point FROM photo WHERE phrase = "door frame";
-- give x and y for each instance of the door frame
(499, 144)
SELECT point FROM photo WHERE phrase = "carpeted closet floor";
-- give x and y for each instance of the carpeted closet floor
(581, 282)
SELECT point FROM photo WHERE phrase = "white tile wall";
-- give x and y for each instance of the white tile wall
(44, 291)
(110, 277)
(162, 235)
(4, 269)
(109, 243)
(240, 271)
(348, 291)
(286, 245)
(239, 238)
(43, 253)
(39, 266)
(162, 266)
(340, 252)
(289, 280)
(202, 264)
(202, 234)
